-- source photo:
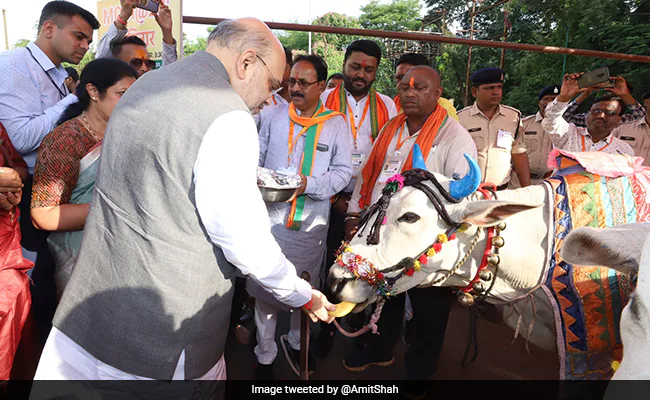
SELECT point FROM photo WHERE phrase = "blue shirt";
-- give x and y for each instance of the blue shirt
(33, 96)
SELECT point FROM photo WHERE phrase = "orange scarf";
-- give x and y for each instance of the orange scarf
(375, 161)
(337, 101)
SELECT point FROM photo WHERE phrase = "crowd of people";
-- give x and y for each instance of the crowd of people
(143, 229)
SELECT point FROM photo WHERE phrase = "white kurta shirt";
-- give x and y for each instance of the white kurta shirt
(331, 173)
(445, 157)
(567, 136)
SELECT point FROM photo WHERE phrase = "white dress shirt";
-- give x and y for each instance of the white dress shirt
(169, 54)
(569, 137)
(232, 210)
(33, 96)
(364, 141)
(445, 157)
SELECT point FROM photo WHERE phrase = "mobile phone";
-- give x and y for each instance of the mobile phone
(151, 5)
(608, 85)
(594, 77)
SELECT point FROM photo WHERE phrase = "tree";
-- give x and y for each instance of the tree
(190, 46)
(20, 43)
(614, 26)
(397, 16)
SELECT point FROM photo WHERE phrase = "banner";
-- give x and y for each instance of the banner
(143, 24)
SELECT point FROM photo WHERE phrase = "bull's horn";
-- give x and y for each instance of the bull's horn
(418, 159)
(342, 309)
(469, 183)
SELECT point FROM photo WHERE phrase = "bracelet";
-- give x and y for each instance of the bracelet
(123, 22)
(309, 305)
(351, 216)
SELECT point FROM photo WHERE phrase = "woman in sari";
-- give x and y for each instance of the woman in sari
(15, 298)
(68, 158)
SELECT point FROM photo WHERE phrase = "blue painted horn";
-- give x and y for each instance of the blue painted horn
(468, 184)
(418, 159)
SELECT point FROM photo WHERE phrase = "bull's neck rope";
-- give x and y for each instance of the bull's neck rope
(363, 269)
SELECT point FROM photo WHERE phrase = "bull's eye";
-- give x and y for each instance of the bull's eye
(409, 218)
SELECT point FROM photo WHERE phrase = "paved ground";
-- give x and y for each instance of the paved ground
(498, 358)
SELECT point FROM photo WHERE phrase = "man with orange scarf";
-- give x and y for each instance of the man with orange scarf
(443, 141)
(304, 138)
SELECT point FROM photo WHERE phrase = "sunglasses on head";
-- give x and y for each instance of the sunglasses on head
(137, 63)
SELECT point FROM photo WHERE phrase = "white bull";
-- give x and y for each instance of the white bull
(412, 224)
(625, 248)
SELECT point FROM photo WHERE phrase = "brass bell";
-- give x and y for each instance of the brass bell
(493, 259)
(485, 275)
(480, 286)
(501, 225)
(498, 241)
(466, 300)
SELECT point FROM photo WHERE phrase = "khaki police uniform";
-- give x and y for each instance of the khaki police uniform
(538, 145)
(637, 135)
(496, 140)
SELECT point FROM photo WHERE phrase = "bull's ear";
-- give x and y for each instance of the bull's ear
(491, 212)
(618, 247)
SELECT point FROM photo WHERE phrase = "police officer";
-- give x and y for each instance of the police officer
(637, 133)
(495, 129)
(538, 143)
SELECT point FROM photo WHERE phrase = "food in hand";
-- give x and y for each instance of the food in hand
(342, 309)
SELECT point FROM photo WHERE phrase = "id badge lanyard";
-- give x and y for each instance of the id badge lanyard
(394, 163)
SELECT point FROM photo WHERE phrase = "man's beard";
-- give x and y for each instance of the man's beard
(353, 90)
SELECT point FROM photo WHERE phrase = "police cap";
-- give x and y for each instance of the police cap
(487, 75)
(552, 90)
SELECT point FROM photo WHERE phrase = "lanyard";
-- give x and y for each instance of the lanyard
(400, 142)
(61, 92)
(353, 127)
(583, 144)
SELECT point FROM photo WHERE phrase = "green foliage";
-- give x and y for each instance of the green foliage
(399, 15)
(190, 46)
(88, 57)
(619, 26)
(20, 43)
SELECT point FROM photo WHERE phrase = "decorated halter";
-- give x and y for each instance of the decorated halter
(363, 269)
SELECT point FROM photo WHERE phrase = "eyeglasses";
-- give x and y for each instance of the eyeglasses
(137, 63)
(608, 113)
(274, 82)
(302, 84)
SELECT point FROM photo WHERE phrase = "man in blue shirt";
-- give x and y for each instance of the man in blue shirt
(33, 95)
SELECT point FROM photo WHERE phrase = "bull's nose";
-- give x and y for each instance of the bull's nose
(335, 286)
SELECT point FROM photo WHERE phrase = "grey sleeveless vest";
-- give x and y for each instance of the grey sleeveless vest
(148, 281)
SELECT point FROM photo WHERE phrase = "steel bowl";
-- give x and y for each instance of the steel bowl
(274, 195)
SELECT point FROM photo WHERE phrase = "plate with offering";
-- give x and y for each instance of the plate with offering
(276, 187)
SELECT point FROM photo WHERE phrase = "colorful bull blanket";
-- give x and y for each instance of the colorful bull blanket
(588, 301)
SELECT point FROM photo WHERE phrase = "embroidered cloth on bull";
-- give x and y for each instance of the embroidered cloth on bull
(588, 301)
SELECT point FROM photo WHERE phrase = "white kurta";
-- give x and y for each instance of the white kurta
(331, 173)
(305, 248)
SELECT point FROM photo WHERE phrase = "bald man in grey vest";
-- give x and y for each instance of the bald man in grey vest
(176, 209)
